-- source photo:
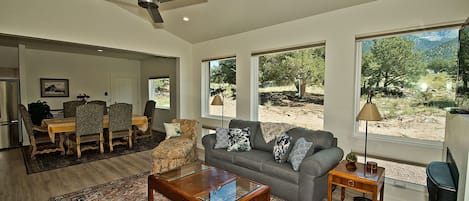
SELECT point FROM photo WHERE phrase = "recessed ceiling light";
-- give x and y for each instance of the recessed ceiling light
(185, 19)
(100, 50)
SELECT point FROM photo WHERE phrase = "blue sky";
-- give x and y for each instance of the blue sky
(438, 35)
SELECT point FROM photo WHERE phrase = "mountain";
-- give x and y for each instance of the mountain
(445, 50)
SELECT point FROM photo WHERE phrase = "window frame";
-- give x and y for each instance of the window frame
(205, 89)
(358, 57)
(255, 56)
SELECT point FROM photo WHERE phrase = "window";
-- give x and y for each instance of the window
(159, 91)
(220, 80)
(412, 79)
(291, 86)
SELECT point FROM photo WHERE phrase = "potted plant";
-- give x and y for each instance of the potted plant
(351, 160)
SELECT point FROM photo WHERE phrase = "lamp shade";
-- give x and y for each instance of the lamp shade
(217, 100)
(369, 112)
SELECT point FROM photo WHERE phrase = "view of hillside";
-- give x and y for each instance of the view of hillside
(412, 79)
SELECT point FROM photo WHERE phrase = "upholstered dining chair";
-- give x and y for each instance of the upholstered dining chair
(39, 136)
(99, 102)
(70, 107)
(120, 124)
(177, 151)
(148, 112)
(89, 128)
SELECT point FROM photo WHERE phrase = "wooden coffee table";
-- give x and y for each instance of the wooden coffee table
(196, 181)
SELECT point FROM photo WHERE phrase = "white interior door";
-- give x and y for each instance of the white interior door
(126, 90)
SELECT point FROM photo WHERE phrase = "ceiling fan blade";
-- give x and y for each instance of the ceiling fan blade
(155, 14)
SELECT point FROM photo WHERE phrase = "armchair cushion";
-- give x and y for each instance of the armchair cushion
(172, 130)
(173, 148)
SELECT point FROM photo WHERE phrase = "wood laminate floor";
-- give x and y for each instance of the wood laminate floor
(16, 185)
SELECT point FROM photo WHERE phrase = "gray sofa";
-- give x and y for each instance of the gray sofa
(308, 184)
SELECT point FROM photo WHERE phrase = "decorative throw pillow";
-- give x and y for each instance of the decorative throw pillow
(223, 138)
(239, 139)
(298, 153)
(281, 148)
(172, 130)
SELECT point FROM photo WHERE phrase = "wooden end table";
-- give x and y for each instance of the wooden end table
(358, 180)
(196, 182)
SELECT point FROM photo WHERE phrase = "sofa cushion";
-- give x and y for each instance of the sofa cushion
(254, 128)
(320, 139)
(261, 144)
(298, 153)
(239, 139)
(281, 148)
(223, 138)
(222, 154)
(252, 159)
(280, 170)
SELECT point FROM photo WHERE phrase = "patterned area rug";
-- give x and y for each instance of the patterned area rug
(45, 162)
(130, 188)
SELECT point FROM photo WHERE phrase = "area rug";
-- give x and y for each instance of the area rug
(45, 162)
(129, 188)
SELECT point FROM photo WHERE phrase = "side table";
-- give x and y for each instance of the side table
(358, 180)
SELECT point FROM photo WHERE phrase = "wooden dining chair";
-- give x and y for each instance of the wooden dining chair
(89, 128)
(120, 124)
(99, 102)
(70, 107)
(38, 136)
(148, 112)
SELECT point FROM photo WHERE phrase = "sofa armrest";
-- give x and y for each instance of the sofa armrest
(321, 162)
(209, 141)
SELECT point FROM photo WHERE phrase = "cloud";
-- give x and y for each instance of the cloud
(438, 35)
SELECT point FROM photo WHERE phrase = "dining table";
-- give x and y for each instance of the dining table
(67, 125)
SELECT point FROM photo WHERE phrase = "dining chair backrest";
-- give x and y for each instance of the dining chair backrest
(28, 123)
(89, 119)
(120, 117)
(149, 108)
(70, 107)
(99, 102)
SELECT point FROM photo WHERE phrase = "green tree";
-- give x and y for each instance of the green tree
(224, 73)
(299, 67)
(440, 65)
(391, 62)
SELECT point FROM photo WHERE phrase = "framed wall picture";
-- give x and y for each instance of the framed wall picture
(54, 87)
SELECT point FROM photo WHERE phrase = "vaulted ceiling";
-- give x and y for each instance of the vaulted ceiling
(211, 19)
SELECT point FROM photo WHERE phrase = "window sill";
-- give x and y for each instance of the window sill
(401, 140)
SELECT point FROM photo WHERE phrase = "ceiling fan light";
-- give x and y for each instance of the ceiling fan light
(185, 19)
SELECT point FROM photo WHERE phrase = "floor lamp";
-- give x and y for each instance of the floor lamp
(217, 100)
(369, 112)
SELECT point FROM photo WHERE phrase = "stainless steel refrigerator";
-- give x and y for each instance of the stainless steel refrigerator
(9, 117)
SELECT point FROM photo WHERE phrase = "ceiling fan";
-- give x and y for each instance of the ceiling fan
(152, 8)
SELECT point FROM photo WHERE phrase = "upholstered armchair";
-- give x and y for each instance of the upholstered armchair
(177, 151)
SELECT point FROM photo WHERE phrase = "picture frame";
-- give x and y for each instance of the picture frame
(52, 87)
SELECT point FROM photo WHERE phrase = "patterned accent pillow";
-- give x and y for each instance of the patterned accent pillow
(172, 130)
(239, 139)
(298, 153)
(281, 148)
(223, 138)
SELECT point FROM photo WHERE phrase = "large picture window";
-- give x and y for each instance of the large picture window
(412, 79)
(222, 82)
(291, 86)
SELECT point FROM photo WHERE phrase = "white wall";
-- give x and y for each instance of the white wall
(160, 67)
(85, 22)
(338, 29)
(457, 140)
(86, 74)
